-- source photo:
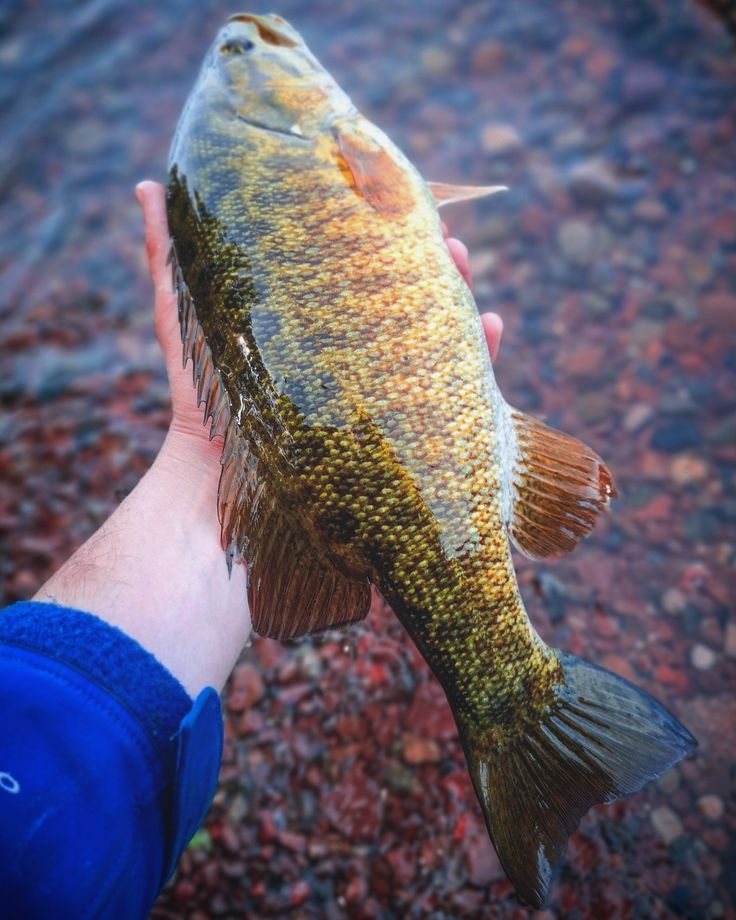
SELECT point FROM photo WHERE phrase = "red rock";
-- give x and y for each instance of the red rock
(605, 624)
(403, 863)
(719, 310)
(267, 829)
(356, 890)
(246, 688)
(297, 843)
(429, 714)
(585, 362)
(355, 807)
(488, 58)
(460, 827)
(651, 211)
(229, 838)
(349, 726)
(499, 139)
(619, 665)
(599, 64)
(299, 893)
(659, 508)
(418, 750)
(481, 860)
(184, 891)
(672, 677)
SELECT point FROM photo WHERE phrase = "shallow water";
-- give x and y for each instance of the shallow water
(613, 262)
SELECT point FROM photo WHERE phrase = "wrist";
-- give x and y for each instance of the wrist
(156, 569)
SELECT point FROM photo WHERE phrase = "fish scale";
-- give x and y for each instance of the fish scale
(367, 441)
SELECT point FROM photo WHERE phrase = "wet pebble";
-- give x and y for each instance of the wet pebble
(593, 182)
(674, 601)
(637, 416)
(651, 211)
(577, 241)
(666, 823)
(687, 469)
(481, 860)
(680, 433)
(355, 807)
(711, 807)
(245, 689)
(719, 310)
(500, 139)
(418, 750)
(730, 640)
(702, 657)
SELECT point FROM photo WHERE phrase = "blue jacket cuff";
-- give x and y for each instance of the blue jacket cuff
(107, 766)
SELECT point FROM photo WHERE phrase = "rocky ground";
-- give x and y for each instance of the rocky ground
(613, 262)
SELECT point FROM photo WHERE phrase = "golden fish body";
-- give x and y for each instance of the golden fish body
(366, 441)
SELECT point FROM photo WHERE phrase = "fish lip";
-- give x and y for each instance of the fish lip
(270, 27)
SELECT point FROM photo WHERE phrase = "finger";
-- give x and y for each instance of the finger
(152, 199)
(459, 253)
(493, 330)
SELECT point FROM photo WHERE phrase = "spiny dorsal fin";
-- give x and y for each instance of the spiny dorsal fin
(209, 386)
(559, 487)
(450, 194)
(293, 590)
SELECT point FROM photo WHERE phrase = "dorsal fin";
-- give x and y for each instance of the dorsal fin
(450, 194)
(210, 388)
(559, 487)
(292, 588)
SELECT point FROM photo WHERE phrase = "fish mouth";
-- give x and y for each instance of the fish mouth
(271, 28)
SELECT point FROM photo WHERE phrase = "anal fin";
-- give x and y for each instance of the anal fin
(559, 487)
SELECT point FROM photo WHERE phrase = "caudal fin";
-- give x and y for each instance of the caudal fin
(602, 738)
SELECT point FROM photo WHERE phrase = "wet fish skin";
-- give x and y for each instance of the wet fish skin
(366, 440)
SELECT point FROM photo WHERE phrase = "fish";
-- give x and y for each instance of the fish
(339, 354)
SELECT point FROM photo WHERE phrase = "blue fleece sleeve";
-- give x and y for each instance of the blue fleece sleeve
(107, 767)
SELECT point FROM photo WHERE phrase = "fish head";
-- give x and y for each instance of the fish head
(264, 74)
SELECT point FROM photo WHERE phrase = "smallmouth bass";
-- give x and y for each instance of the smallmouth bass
(340, 354)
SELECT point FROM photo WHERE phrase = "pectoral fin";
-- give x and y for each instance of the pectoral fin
(372, 171)
(450, 194)
(558, 487)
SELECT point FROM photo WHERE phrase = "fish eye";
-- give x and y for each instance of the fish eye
(237, 47)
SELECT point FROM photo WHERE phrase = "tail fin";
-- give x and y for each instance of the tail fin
(602, 738)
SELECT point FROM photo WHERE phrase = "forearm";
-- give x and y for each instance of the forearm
(155, 570)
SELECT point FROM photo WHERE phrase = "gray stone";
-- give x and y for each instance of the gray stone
(666, 823)
(577, 241)
(593, 182)
(702, 657)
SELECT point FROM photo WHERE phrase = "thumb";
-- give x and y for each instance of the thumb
(187, 416)
(152, 199)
